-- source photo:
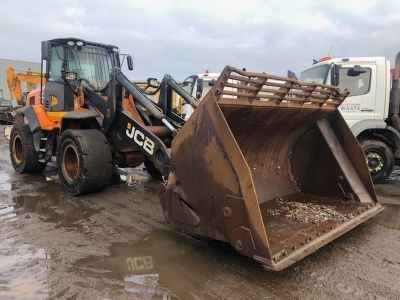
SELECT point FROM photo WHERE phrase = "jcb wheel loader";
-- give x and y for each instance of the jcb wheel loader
(92, 118)
(265, 163)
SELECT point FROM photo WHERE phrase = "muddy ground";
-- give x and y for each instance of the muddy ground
(116, 245)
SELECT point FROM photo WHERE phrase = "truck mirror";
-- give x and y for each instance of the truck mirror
(199, 91)
(335, 75)
(356, 71)
(130, 62)
(46, 50)
(211, 82)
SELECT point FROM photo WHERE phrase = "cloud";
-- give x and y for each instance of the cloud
(185, 37)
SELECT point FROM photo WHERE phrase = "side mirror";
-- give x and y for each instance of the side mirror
(46, 50)
(211, 82)
(356, 71)
(199, 90)
(335, 75)
(130, 62)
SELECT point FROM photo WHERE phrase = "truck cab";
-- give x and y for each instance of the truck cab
(366, 109)
(197, 86)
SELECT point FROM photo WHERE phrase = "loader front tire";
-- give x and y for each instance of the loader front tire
(23, 155)
(380, 159)
(84, 161)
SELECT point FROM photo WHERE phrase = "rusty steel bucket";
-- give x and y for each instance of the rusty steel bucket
(268, 165)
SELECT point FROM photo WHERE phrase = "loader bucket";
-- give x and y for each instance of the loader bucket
(268, 165)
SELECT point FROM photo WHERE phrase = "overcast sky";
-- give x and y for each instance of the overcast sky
(186, 37)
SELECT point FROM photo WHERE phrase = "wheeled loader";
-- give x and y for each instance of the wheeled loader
(265, 163)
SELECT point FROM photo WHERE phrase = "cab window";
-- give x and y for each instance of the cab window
(357, 85)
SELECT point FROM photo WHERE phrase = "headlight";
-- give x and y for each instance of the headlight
(70, 76)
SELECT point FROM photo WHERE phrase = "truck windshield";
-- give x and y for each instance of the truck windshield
(5, 103)
(317, 74)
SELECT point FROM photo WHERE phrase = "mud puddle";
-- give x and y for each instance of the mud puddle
(168, 265)
(161, 264)
(389, 217)
(4, 184)
(151, 267)
(62, 211)
(22, 277)
(84, 259)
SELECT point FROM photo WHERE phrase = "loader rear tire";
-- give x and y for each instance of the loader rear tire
(380, 159)
(153, 171)
(23, 155)
(84, 161)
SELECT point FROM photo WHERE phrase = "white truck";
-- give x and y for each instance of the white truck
(197, 86)
(372, 108)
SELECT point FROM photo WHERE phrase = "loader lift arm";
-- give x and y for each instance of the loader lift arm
(139, 96)
(169, 82)
(167, 89)
(144, 138)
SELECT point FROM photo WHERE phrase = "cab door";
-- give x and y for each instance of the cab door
(360, 104)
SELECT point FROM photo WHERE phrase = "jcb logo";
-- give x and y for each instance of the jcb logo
(139, 263)
(140, 139)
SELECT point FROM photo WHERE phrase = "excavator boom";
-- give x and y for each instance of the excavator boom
(14, 79)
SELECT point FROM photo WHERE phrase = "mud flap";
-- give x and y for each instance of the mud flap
(276, 172)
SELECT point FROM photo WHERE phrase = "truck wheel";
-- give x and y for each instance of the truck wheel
(380, 159)
(153, 171)
(84, 161)
(23, 155)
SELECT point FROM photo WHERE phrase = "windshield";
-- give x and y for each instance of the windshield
(6, 103)
(316, 74)
(90, 62)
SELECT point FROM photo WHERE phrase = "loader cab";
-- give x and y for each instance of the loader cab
(71, 62)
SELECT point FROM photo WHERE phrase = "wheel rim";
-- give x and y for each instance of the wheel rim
(70, 162)
(375, 162)
(17, 149)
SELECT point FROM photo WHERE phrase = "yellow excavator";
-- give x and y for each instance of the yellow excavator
(264, 163)
(32, 78)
